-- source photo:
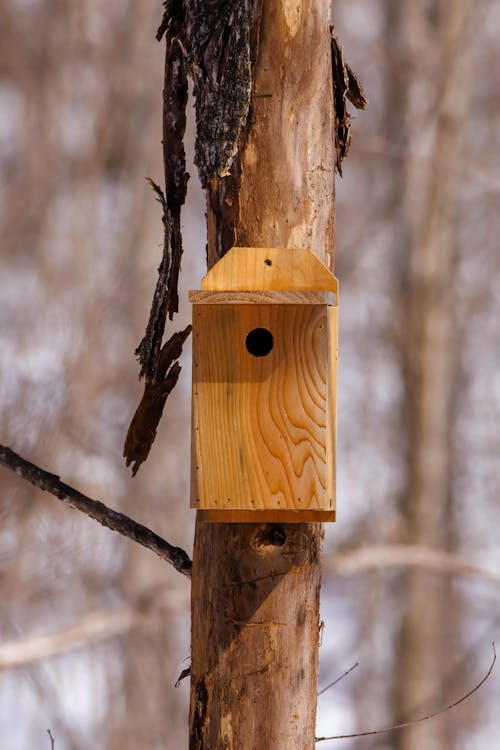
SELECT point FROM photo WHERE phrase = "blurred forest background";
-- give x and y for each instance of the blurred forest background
(419, 399)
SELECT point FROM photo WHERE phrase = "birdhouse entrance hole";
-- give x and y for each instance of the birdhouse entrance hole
(259, 342)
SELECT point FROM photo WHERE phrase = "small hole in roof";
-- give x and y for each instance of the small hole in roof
(268, 262)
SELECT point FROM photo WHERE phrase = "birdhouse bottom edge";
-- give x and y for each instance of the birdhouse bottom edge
(266, 516)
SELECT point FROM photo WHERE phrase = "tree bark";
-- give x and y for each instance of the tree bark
(255, 593)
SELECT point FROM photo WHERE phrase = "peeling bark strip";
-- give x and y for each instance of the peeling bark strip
(215, 43)
(220, 34)
(223, 199)
(345, 86)
(142, 430)
(158, 364)
(166, 300)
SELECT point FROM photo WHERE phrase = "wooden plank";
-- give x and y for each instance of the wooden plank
(261, 268)
(331, 409)
(266, 516)
(262, 434)
(201, 297)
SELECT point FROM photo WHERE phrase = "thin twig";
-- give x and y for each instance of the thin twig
(112, 519)
(422, 718)
(52, 741)
(335, 682)
(185, 673)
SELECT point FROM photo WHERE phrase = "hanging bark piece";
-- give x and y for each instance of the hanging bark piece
(216, 44)
(165, 296)
(142, 430)
(220, 34)
(166, 299)
(223, 79)
(159, 364)
(346, 85)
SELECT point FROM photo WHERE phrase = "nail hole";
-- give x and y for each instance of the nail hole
(268, 262)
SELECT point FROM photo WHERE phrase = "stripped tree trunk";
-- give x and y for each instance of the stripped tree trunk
(255, 600)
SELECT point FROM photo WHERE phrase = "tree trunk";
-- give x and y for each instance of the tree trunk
(255, 593)
(429, 359)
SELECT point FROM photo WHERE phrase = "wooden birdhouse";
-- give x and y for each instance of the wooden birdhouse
(264, 388)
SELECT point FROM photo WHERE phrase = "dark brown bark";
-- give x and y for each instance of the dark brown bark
(142, 430)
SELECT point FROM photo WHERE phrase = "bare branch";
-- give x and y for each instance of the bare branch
(335, 682)
(95, 627)
(422, 718)
(91, 628)
(112, 519)
(404, 556)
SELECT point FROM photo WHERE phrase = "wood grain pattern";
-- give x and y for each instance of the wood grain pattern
(262, 298)
(263, 425)
(332, 313)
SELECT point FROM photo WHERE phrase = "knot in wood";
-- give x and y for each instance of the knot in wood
(271, 535)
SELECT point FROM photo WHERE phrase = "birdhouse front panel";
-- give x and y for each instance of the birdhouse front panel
(264, 381)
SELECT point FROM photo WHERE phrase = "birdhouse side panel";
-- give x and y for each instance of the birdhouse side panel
(260, 407)
(331, 444)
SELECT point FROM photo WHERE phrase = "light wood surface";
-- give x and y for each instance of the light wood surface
(261, 423)
(269, 268)
(266, 516)
(262, 298)
(264, 426)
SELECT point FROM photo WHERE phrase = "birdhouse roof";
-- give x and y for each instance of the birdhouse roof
(274, 269)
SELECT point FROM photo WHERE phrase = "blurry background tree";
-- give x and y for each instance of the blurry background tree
(417, 228)
(80, 129)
